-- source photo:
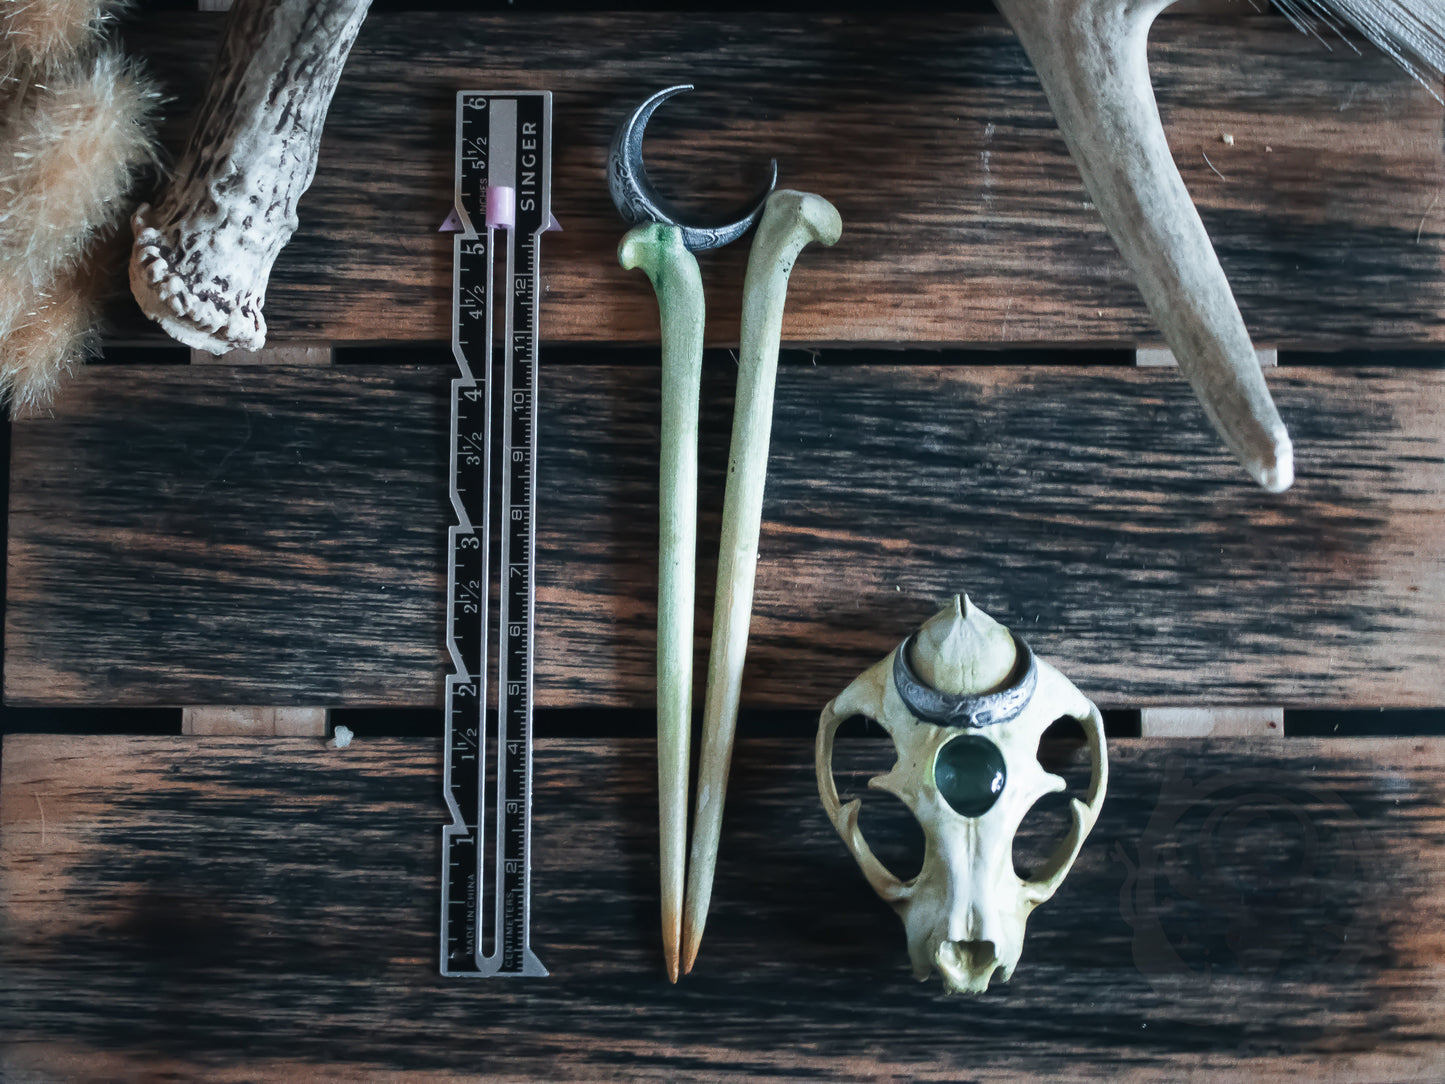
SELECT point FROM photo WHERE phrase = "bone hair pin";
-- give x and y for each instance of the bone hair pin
(791, 221)
(965, 702)
(1091, 57)
(203, 254)
(663, 248)
(659, 251)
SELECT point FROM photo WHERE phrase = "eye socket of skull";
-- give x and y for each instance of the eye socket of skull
(884, 818)
(970, 774)
(1063, 753)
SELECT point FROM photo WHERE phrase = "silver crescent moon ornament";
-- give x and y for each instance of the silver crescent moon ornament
(639, 202)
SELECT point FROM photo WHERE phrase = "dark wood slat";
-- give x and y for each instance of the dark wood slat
(213, 521)
(225, 909)
(276, 536)
(965, 220)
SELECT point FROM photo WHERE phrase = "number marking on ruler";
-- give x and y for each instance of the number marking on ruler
(503, 142)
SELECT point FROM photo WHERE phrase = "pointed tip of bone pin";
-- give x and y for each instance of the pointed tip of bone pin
(671, 940)
(688, 959)
(691, 943)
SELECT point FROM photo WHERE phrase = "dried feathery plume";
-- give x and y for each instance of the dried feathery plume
(69, 152)
(54, 331)
(1410, 31)
(42, 34)
(67, 160)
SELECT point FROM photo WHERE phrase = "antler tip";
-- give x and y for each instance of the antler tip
(1274, 470)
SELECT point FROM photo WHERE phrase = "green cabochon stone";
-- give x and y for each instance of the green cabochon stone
(970, 774)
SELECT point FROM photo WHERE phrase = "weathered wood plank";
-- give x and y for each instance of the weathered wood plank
(258, 721)
(223, 909)
(965, 220)
(276, 536)
(222, 538)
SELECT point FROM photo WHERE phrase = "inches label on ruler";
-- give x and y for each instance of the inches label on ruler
(503, 200)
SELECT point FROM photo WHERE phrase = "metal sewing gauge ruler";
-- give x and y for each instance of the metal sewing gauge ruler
(503, 204)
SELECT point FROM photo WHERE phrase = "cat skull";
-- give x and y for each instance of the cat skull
(965, 702)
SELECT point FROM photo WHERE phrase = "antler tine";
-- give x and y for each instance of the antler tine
(1091, 56)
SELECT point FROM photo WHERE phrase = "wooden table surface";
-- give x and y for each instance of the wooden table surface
(957, 409)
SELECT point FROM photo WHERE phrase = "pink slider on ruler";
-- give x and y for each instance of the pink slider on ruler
(501, 207)
(502, 217)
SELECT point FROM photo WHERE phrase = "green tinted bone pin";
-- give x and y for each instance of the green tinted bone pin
(658, 250)
(663, 248)
(790, 222)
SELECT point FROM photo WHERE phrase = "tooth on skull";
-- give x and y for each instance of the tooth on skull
(231, 206)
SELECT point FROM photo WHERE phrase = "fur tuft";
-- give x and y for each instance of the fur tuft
(1411, 31)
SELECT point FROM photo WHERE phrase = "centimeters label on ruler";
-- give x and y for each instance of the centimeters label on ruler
(503, 161)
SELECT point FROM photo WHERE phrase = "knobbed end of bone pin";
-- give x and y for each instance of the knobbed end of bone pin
(820, 218)
(650, 246)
